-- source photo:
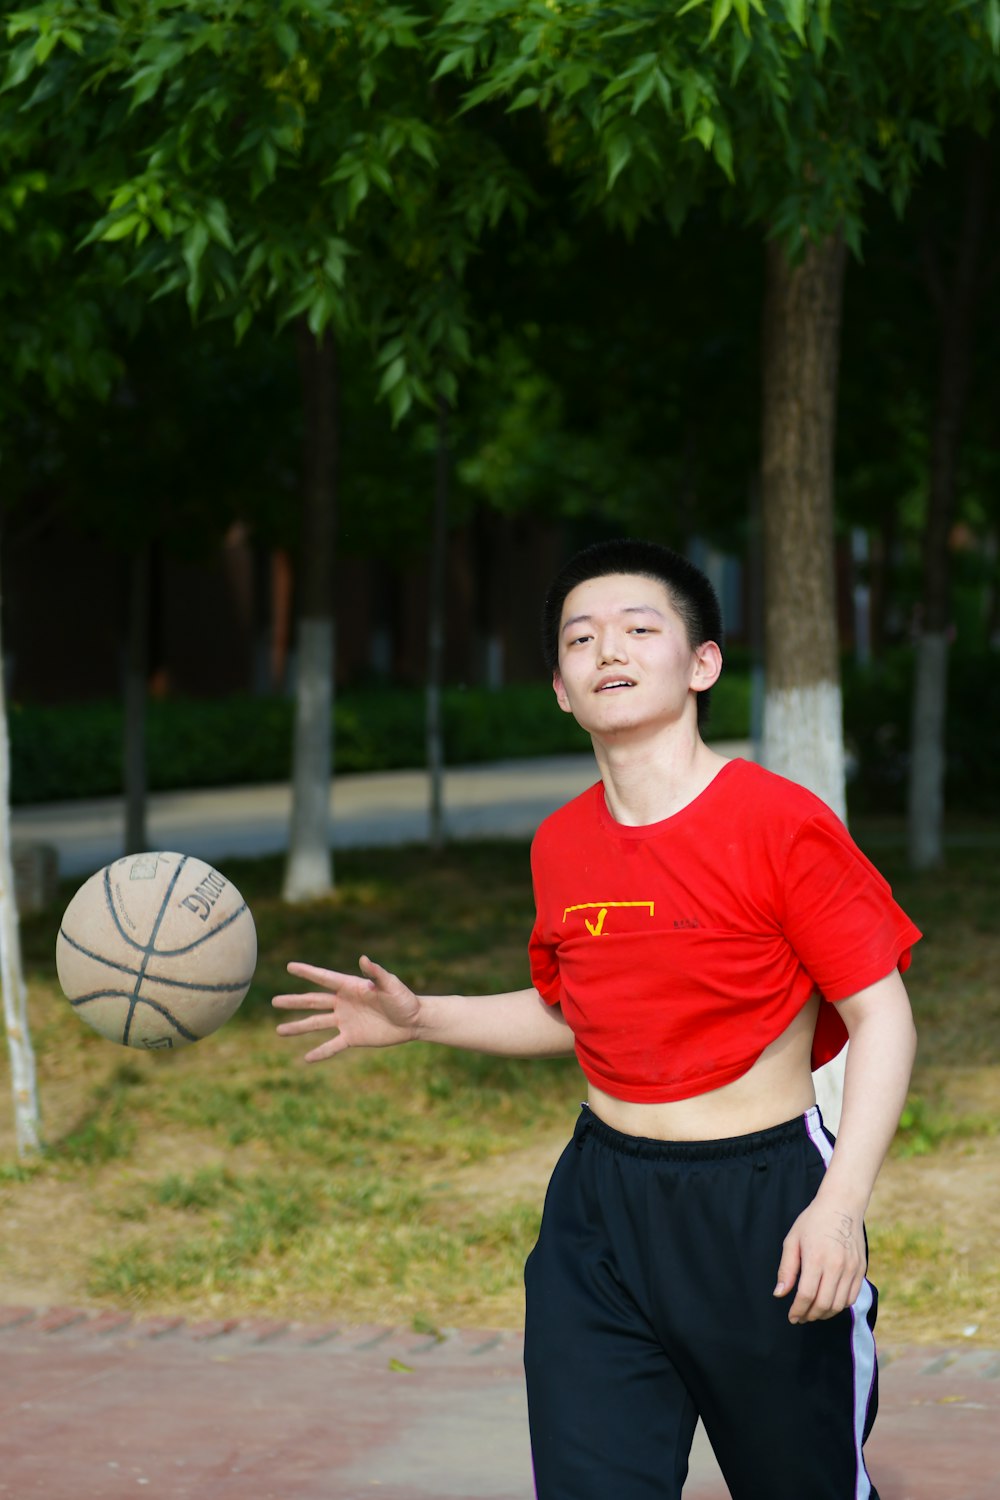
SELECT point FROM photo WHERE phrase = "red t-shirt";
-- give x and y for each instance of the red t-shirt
(680, 950)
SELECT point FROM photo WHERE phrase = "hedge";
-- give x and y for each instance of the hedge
(75, 750)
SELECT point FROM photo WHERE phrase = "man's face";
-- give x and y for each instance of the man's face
(625, 663)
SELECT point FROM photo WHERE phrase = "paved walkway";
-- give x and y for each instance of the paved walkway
(95, 1406)
(504, 798)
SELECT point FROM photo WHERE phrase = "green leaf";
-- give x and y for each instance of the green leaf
(742, 48)
(400, 401)
(992, 22)
(619, 155)
(267, 158)
(357, 191)
(45, 46)
(321, 312)
(194, 245)
(217, 220)
(703, 130)
(392, 375)
(447, 386)
(22, 64)
(144, 84)
(242, 321)
(462, 58)
(721, 10)
(869, 171)
(334, 261)
(390, 350)
(645, 88)
(691, 95)
(722, 150)
(381, 177)
(795, 15)
(572, 79)
(367, 83)
(287, 38)
(817, 35)
(121, 228)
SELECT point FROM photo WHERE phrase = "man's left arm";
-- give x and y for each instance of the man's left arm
(823, 1258)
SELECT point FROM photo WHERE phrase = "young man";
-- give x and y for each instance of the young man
(706, 934)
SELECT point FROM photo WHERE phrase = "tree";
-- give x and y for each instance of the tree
(955, 292)
(283, 158)
(54, 348)
(788, 112)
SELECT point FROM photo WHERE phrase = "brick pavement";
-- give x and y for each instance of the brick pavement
(100, 1406)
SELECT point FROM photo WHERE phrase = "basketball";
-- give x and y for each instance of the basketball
(156, 951)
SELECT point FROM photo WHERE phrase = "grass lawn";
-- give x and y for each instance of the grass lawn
(406, 1186)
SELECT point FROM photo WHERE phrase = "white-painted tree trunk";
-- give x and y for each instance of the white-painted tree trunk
(134, 759)
(925, 799)
(15, 991)
(309, 867)
(804, 739)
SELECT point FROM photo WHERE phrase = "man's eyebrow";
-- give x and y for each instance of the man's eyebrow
(630, 609)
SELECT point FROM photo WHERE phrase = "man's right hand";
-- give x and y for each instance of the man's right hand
(374, 1009)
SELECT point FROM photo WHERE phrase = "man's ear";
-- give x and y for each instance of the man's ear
(559, 688)
(707, 666)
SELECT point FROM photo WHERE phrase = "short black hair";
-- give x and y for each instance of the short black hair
(691, 593)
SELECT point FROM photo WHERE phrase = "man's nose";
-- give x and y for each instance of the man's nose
(611, 646)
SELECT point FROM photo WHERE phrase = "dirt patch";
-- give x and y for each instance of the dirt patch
(511, 1176)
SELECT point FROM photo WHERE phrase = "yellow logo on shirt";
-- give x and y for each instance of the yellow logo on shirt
(596, 929)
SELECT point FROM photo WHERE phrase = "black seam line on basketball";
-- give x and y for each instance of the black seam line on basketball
(137, 1000)
(219, 927)
(192, 984)
(132, 942)
(161, 1010)
(188, 984)
(159, 953)
(150, 948)
(176, 984)
(101, 995)
(98, 957)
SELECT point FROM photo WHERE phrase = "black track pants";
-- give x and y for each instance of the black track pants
(649, 1304)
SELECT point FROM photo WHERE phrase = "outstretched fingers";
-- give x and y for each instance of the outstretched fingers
(329, 979)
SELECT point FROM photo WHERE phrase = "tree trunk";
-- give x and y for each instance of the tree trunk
(803, 724)
(436, 631)
(136, 679)
(15, 993)
(955, 302)
(309, 867)
(803, 717)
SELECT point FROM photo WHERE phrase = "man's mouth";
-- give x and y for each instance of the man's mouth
(614, 684)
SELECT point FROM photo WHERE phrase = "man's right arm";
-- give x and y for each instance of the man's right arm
(375, 1009)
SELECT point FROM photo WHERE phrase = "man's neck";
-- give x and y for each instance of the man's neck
(648, 780)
